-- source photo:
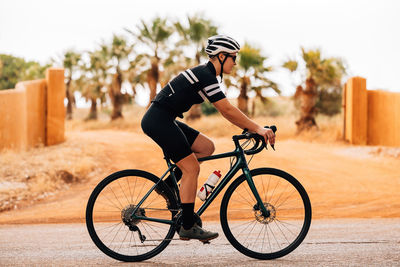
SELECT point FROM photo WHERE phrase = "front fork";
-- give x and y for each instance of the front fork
(260, 204)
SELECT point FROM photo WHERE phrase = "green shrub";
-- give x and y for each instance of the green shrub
(329, 102)
(208, 109)
(15, 69)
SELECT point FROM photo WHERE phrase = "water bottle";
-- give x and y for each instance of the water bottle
(209, 185)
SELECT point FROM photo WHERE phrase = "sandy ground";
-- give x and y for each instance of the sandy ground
(342, 181)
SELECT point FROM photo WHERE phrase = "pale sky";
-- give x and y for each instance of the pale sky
(366, 34)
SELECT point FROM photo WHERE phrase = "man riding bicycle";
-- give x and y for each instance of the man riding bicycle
(183, 144)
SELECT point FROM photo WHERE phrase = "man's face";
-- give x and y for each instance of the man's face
(229, 62)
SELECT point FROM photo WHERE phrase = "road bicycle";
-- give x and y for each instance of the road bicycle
(265, 213)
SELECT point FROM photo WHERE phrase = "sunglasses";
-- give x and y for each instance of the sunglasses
(233, 57)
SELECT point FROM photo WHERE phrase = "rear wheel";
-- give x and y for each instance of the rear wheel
(109, 216)
(271, 235)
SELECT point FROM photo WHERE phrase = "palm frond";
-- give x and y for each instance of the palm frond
(291, 65)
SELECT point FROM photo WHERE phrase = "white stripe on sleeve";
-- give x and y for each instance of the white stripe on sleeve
(187, 77)
(214, 92)
(192, 75)
(210, 87)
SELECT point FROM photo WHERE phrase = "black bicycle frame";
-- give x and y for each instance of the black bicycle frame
(240, 163)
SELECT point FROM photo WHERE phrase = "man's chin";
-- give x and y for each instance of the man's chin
(227, 72)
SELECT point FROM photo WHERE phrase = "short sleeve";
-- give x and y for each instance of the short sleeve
(212, 91)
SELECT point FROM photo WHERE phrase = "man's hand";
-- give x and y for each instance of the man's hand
(268, 135)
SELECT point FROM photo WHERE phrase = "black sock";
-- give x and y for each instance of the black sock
(187, 215)
(178, 176)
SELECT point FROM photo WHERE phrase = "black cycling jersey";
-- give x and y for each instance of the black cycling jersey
(190, 87)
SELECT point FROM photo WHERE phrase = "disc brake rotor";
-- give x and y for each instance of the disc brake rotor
(262, 218)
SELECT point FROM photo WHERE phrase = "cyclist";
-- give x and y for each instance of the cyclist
(183, 144)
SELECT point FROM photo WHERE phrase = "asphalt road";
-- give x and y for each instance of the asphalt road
(346, 242)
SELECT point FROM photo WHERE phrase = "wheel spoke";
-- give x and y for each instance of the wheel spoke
(115, 235)
(276, 201)
(251, 195)
(248, 202)
(115, 205)
(127, 200)
(284, 225)
(273, 192)
(282, 232)
(280, 204)
(270, 228)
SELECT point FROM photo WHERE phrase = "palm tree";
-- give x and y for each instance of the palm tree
(93, 80)
(119, 51)
(91, 90)
(97, 76)
(71, 63)
(249, 76)
(196, 34)
(106, 72)
(135, 74)
(155, 36)
(322, 75)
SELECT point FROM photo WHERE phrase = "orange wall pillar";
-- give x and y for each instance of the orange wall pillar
(55, 106)
(35, 92)
(13, 133)
(383, 118)
(356, 111)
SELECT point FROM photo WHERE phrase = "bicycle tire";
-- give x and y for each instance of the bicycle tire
(119, 209)
(233, 212)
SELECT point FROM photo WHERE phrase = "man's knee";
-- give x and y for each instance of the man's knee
(211, 148)
(208, 149)
(189, 166)
(203, 146)
(192, 169)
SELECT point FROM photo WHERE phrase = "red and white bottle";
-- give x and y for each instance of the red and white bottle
(209, 185)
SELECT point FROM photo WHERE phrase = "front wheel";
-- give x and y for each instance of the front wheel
(271, 235)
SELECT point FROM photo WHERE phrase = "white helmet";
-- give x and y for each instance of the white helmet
(221, 43)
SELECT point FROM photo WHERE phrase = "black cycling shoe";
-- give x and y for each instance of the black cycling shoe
(196, 232)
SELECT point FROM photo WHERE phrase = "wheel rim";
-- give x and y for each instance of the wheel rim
(116, 232)
(275, 233)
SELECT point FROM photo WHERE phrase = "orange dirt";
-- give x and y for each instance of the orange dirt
(342, 181)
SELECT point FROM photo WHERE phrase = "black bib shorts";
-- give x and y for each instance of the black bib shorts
(174, 137)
